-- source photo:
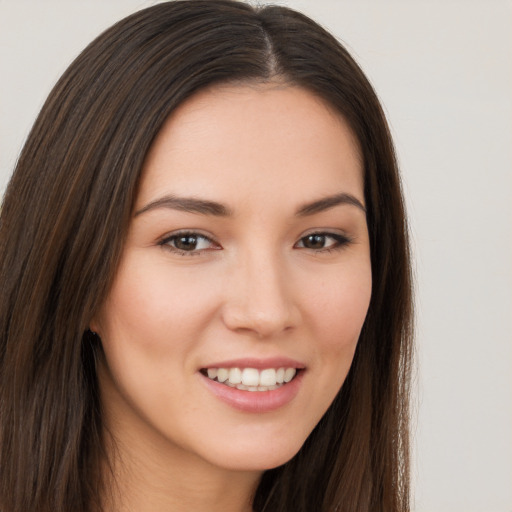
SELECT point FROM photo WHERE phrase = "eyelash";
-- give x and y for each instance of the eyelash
(340, 241)
(168, 240)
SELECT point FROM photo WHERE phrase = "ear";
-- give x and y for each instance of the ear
(94, 326)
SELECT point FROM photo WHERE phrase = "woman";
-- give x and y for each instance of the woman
(205, 277)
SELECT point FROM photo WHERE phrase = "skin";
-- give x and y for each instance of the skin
(254, 286)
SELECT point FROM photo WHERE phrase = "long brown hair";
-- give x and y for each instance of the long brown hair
(62, 227)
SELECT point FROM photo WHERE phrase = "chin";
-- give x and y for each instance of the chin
(256, 456)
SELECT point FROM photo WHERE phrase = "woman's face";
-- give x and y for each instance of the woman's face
(247, 259)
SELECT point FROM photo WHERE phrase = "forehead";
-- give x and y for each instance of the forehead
(251, 139)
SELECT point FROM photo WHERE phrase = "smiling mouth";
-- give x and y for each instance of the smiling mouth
(251, 379)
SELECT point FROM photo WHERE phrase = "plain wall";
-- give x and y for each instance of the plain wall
(443, 70)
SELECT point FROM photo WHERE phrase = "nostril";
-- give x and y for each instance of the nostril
(262, 324)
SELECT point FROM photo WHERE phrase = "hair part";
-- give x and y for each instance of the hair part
(63, 224)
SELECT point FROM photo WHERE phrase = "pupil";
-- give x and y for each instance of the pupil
(315, 241)
(186, 243)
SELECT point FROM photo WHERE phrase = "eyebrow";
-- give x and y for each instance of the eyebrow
(329, 202)
(188, 204)
(206, 207)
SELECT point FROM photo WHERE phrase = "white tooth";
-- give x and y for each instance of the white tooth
(252, 388)
(242, 387)
(250, 377)
(268, 377)
(271, 388)
(289, 374)
(235, 376)
(262, 388)
(231, 385)
(212, 373)
(280, 376)
(222, 374)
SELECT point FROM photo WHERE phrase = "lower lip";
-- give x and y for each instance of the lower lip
(255, 401)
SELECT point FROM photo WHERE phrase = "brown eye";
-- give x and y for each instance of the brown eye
(190, 243)
(314, 241)
(322, 241)
(186, 242)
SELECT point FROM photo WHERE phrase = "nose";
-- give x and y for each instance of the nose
(259, 297)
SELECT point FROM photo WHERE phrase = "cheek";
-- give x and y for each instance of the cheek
(156, 305)
(336, 310)
(337, 313)
(339, 308)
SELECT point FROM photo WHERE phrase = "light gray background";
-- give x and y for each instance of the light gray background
(443, 69)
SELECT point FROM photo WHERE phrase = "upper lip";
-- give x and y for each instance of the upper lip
(258, 363)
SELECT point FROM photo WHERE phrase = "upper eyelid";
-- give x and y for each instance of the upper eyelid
(182, 232)
(165, 243)
(341, 240)
(326, 232)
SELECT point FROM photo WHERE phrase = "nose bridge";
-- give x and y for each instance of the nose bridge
(259, 299)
